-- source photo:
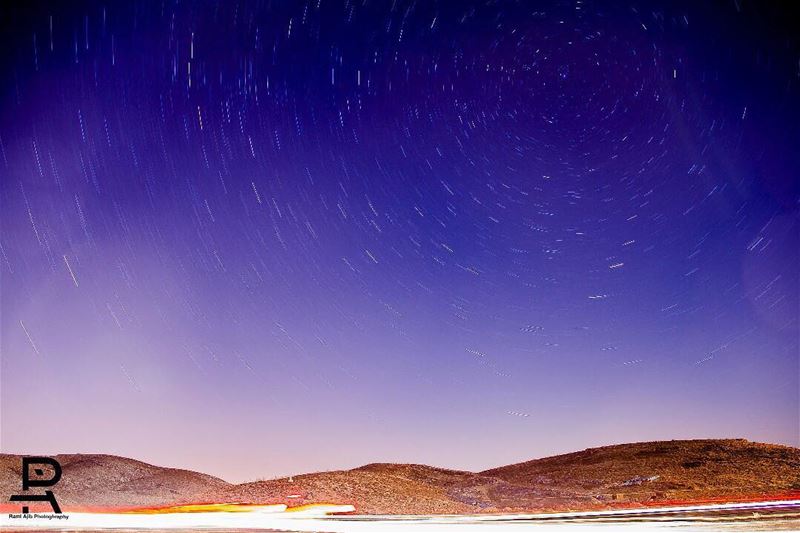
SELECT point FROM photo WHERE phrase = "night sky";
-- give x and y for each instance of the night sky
(263, 238)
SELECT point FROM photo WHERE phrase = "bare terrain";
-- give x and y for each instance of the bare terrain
(94, 480)
(625, 475)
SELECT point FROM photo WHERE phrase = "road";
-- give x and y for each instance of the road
(753, 516)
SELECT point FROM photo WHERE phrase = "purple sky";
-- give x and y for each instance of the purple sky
(256, 241)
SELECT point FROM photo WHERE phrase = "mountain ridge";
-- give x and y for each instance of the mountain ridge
(630, 474)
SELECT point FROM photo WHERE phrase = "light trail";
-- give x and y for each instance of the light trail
(763, 516)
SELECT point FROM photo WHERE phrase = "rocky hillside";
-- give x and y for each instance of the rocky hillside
(626, 474)
(90, 480)
(667, 470)
(375, 489)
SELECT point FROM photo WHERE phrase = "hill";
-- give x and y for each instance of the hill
(625, 474)
(97, 480)
(666, 470)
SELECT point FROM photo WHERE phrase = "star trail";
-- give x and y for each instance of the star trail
(319, 234)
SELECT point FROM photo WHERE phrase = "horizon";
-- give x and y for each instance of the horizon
(347, 468)
(304, 235)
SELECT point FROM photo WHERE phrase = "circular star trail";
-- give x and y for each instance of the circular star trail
(318, 234)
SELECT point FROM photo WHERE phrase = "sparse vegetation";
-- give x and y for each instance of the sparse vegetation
(627, 474)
